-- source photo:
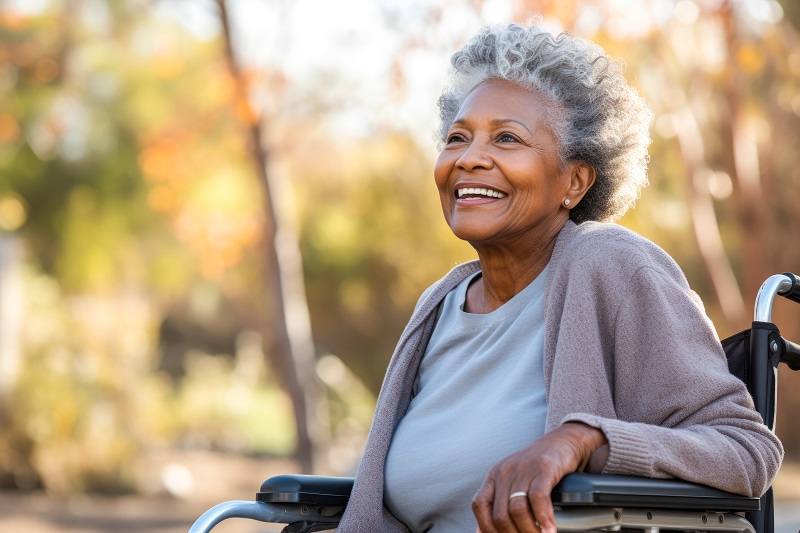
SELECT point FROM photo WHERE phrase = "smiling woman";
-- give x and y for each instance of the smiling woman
(528, 364)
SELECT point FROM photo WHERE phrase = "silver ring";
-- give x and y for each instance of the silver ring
(518, 494)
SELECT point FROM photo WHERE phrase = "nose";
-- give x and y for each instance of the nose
(474, 156)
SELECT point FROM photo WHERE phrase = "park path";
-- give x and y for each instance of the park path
(205, 479)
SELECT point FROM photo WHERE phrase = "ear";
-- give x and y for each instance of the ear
(581, 179)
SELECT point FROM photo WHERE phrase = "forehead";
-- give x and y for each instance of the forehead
(503, 99)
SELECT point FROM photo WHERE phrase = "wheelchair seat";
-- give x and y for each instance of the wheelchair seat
(587, 502)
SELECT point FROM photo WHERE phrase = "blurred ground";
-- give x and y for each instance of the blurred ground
(218, 477)
(214, 477)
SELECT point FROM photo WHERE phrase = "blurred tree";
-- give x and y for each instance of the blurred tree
(125, 185)
(289, 331)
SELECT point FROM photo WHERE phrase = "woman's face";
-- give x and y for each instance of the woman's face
(499, 177)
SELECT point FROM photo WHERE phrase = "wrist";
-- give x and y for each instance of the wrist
(588, 439)
(597, 462)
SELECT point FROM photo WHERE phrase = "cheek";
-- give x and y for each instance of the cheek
(442, 170)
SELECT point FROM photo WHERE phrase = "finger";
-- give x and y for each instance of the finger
(543, 513)
(501, 517)
(482, 505)
(521, 513)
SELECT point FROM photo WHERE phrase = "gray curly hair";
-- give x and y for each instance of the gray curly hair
(597, 117)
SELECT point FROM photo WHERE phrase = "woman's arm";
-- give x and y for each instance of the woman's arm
(501, 506)
(678, 412)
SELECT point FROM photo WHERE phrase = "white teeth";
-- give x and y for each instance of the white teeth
(483, 192)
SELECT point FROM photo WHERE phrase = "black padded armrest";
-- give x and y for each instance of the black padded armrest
(595, 490)
(575, 490)
(309, 490)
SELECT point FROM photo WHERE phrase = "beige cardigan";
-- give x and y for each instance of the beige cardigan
(628, 349)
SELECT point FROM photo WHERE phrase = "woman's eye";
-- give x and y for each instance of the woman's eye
(455, 138)
(507, 138)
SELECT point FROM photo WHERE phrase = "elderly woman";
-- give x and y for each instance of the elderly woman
(571, 343)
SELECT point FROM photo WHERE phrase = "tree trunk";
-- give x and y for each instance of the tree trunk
(291, 348)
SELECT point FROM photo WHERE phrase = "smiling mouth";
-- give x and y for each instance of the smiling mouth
(473, 192)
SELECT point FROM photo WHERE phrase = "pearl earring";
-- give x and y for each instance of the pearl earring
(566, 202)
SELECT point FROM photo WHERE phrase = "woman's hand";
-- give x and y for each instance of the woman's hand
(535, 470)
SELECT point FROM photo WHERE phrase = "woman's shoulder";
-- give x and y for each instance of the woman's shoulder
(607, 236)
(599, 249)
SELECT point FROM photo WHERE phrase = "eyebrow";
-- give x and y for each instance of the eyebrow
(497, 122)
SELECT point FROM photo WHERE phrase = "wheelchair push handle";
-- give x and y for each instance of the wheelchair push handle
(793, 293)
(786, 285)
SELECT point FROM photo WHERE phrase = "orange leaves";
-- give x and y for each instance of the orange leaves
(750, 58)
(160, 164)
(208, 199)
(153, 162)
(11, 19)
(162, 199)
(219, 240)
(167, 65)
(245, 111)
(13, 212)
(225, 84)
(45, 70)
(9, 129)
(160, 161)
(199, 179)
(165, 164)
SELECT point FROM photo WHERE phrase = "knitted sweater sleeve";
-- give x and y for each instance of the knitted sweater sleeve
(678, 412)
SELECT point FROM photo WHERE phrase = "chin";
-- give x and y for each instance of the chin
(472, 235)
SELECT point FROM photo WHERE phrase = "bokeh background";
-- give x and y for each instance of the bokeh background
(216, 217)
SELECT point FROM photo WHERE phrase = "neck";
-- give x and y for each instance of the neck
(506, 269)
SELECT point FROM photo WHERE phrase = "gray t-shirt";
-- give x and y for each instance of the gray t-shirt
(479, 397)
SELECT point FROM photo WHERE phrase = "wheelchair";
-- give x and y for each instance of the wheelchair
(586, 502)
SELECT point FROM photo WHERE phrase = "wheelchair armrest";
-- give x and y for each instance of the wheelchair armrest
(308, 490)
(575, 490)
(584, 501)
(597, 490)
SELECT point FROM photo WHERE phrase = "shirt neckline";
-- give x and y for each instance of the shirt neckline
(518, 301)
